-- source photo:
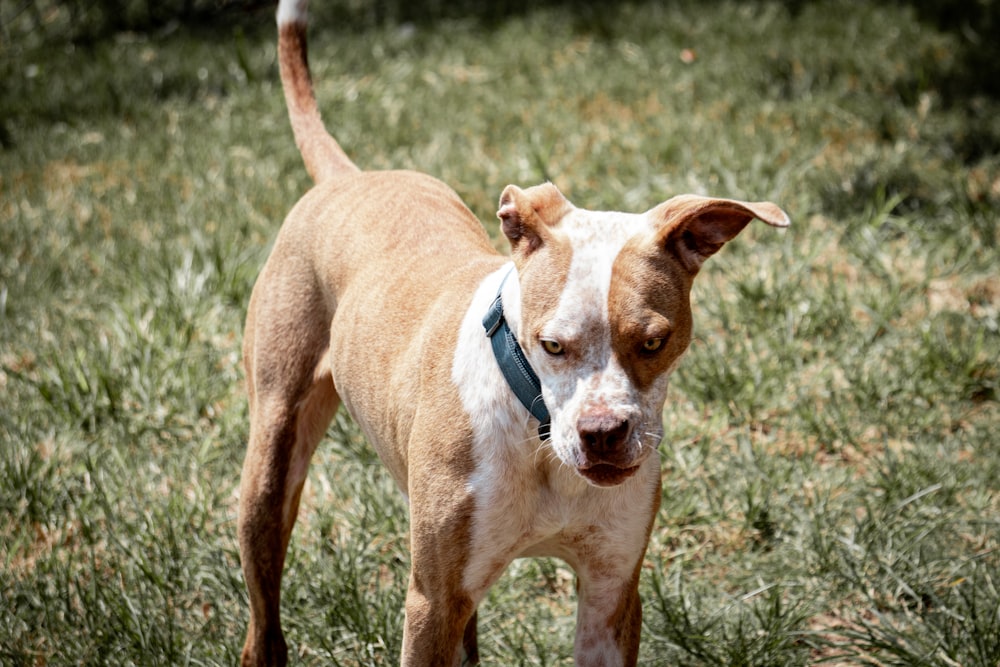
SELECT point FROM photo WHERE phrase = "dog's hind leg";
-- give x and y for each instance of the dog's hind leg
(470, 642)
(292, 400)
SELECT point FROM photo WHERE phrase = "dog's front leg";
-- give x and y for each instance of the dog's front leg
(436, 625)
(609, 618)
(440, 610)
(609, 611)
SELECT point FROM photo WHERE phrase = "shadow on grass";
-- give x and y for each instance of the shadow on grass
(974, 71)
(975, 23)
(96, 20)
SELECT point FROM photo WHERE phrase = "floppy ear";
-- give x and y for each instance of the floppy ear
(525, 214)
(694, 228)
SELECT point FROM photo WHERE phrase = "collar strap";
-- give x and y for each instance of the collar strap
(513, 364)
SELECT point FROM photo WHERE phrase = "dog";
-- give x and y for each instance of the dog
(516, 400)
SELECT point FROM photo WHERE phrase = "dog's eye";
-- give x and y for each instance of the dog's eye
(553, 347)
(652, 344)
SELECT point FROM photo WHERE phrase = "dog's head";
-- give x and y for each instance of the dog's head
(605, 313)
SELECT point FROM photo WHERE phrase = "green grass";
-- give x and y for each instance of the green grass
(831, 473)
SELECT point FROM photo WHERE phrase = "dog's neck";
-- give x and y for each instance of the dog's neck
(514, 365)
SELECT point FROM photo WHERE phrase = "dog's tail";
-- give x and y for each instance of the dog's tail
(322, 154)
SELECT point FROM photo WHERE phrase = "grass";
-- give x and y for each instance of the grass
(830, 470)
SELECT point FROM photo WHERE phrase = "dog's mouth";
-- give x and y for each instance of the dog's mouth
(606, 474)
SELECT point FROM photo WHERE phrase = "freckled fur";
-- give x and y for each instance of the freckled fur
(373, 297)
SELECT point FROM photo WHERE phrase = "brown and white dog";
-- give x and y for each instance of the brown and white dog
(375, 295)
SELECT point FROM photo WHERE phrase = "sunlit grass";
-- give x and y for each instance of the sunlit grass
(830, 469)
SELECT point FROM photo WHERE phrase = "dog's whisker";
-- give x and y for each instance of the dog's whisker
(654, 437)
(545, 451)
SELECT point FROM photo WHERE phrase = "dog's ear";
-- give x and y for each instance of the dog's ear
(525, 214)
(693, 228)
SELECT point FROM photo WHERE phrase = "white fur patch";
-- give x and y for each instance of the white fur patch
(293, 11)
(501, 434)
(492, 407)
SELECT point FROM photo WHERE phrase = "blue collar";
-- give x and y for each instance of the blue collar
(514, 365)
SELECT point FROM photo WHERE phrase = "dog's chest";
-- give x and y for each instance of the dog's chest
(547, 511)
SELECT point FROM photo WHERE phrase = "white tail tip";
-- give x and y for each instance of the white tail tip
(292, 11)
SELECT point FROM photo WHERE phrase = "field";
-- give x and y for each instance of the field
(831, 475)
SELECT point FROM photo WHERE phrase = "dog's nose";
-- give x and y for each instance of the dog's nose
(602, 433)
